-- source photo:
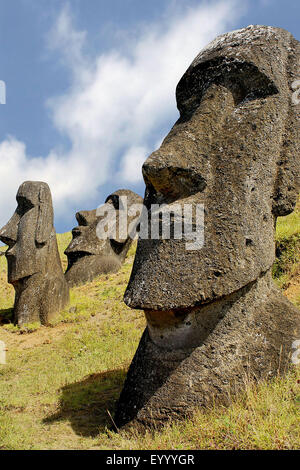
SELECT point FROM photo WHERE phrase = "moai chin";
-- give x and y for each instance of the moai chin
(34, 266)
(214, 316)
(88, 255)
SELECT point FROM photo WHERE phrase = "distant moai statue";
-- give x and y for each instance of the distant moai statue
(2, 92)
(214, 316)
(34, 266)
(2, 352)
(88, 255)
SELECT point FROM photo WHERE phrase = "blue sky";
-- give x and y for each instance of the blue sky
(90, 87)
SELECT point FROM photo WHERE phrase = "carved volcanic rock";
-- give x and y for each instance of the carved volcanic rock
(213, 314)
(207, 354)
(88, 255)
(34, 266)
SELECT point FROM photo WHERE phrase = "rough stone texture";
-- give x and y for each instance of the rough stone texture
(214, 314)
(89, 256)
(34, 266)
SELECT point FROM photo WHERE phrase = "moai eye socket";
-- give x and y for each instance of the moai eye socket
(245, 81)
(24, 205)
(114, 198)
(81, 220)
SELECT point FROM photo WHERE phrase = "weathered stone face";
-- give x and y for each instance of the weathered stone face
(88, 255)
(234, 149)
(214, 317)
(31, 225)
(34, 266)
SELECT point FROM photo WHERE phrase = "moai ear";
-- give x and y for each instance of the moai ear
(45, 217)
(287, 185)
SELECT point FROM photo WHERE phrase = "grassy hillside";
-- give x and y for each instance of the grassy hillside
(60, 382)
(286, 269)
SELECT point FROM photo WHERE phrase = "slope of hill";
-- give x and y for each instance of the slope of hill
(61, 383)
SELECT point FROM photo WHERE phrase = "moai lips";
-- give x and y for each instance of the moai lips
(214, 315)
(34, 267)
(88, 254)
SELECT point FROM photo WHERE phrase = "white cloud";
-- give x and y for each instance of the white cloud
(131, 164)
(116, 107)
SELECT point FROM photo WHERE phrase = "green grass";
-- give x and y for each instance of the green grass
(289, 226)
(286, 269)
(63, 240)
(61, 381)
(288, 258)
(6, 290)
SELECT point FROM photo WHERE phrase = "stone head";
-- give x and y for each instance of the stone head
(28, 232)
(88, 254)
(235, 150)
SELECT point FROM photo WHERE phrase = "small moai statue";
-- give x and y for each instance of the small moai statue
(90, 255)
(34, 265)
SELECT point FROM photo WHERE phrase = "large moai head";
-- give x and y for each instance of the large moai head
(90, 255)
(213, 313)
(235, 148)
(32, 256)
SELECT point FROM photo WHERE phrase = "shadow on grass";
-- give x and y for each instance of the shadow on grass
(6, 316)
(86, 404)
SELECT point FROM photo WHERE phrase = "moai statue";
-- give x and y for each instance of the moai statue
(34, 266)
(214, 316)
(88, 254)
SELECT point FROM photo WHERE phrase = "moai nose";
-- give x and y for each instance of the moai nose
(171, 180)
(8, 233)
(173, 171)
